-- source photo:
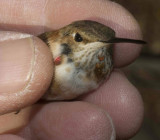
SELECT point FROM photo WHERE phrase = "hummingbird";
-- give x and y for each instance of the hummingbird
(82, 55)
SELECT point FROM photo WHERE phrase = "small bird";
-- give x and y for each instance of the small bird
(82, 55)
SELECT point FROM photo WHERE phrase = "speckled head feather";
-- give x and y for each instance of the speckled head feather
(94, 31)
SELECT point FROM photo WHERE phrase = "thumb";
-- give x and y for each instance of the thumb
(26, 70)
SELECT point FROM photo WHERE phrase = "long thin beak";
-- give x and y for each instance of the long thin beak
(124, 40)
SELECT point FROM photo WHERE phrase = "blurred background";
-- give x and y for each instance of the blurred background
(144, 73)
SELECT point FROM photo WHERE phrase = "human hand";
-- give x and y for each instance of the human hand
(26, 71)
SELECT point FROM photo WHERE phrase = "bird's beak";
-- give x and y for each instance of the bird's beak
(124, 40)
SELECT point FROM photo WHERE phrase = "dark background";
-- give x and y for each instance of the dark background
(144, 73)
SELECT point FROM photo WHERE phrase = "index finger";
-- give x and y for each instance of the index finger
(39, 16)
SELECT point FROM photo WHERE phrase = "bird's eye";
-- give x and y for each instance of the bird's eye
(78, 37)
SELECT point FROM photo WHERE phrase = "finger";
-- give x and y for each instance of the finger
(26, 70)
(71, 121)
(11, 123)
(10, 137)
(122, 101)
(39, 16)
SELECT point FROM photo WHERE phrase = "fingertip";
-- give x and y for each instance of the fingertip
(71, 120)
(26, 71)
(122, 101)
(129, 105)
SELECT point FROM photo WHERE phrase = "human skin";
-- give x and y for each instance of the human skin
(115, 109)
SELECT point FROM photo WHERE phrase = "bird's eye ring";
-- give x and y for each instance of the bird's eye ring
(78, 37)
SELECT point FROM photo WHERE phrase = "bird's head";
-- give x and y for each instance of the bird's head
(83, 38)
(81, 34)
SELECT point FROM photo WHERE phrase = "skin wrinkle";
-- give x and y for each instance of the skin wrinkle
(113, 135)
(45, 5)
(5, 36)
(44, 19)
(31, 73)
